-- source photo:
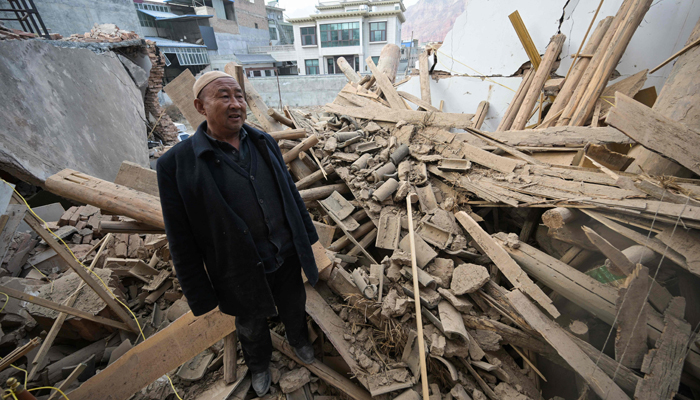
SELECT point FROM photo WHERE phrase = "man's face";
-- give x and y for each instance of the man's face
(222, 102)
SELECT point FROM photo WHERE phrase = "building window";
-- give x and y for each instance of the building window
(308, 36)
(377, 31)
(188, 55)
(375, 60)
(146, 20)
(273, 34)
(312, 67)
(152, 7)
(331, 65)
(340, 35)
(229, 10)
(256, 25)
(268, 72)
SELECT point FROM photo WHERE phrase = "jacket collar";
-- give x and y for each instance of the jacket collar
(201, 144)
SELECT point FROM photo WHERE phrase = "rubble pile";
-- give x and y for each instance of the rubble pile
(103, 33)
(454, 263)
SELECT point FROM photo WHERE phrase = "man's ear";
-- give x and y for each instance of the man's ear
(199, 105)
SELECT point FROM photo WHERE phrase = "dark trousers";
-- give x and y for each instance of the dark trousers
(288, 291)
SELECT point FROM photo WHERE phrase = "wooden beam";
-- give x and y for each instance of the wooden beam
(609, 61)
(163, 352)
(64, 309)
(106, 195)
(488, 159)
(514, 105)
(289, 134)
(255, 102)
(18, 353)
(321, 370)
(525, 39)
(601, 383)
(573, 78)
(632, 311)
(676, 54)
(292, 154)
(423, 105)
(385, 85)
(424, 69)
(138, 178)
(315, 177)
(349, 71)
(622, 264)
(379, 113)
(280, 118)
(654, 131)
(63, 252)
(505, 263)
(542, 74)
(480, 114)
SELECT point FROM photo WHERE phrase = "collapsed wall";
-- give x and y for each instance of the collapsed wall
(67, 107)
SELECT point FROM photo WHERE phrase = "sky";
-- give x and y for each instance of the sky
(304, 8)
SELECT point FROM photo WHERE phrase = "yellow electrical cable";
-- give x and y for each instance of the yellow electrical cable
(51, 388)
(92, 272)
(44, 275)
(7, 300)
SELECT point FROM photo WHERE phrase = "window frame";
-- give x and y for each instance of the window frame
(340, 34)
(382, 31)
(307, 66)
(305, 35)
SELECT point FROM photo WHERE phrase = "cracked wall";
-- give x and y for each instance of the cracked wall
(67, 108)
(483, 42)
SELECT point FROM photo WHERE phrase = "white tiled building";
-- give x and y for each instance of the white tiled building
(351, 29)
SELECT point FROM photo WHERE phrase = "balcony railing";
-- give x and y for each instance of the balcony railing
(270, 49)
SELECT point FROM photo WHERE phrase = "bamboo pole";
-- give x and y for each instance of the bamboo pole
(416, 298)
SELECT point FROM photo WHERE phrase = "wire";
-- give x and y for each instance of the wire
(483, 76)
(51, 388)
(46, 225)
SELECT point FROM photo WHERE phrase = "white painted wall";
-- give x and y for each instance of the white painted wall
(484, 40)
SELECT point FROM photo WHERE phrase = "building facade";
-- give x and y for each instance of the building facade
(281, 31)
(351, 29)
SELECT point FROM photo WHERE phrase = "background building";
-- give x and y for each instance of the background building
(351, 29)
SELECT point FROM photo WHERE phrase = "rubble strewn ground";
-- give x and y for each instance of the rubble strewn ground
(536, 279)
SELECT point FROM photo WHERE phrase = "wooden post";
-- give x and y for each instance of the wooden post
(423, 69)
(303, 146)
(289, 134)
(609, 61)
(572, 80)
(514, 106)
(230, 353)
(416, 298)
(389, 61)
(542, 74)
(348, 70)
(525, 39)
(280, 118)
(240, 77)
(570, 108)
(480, 114)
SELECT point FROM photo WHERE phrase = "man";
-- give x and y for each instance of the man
(238, 230)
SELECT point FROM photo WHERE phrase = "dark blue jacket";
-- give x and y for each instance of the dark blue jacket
(202, 228)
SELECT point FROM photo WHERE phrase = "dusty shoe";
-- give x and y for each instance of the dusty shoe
(305, 353)
(261, 382)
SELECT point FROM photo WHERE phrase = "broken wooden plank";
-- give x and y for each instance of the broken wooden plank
(489, 160)
(333, 327)
(632, 310)
(180, 92)
(165, 351)
(663, 365)
(18, 353)
(427, 118)
(321, 370)
(654, 131)
(385, 86)
(567, 349)
(505, 263)
(138, 178)
(686, 243)
(423, 105)
(423, 68)
(64, 309)
(628, 86)
(64, 253)
(623, 265)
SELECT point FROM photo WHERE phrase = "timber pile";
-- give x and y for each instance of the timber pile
(525, 269)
